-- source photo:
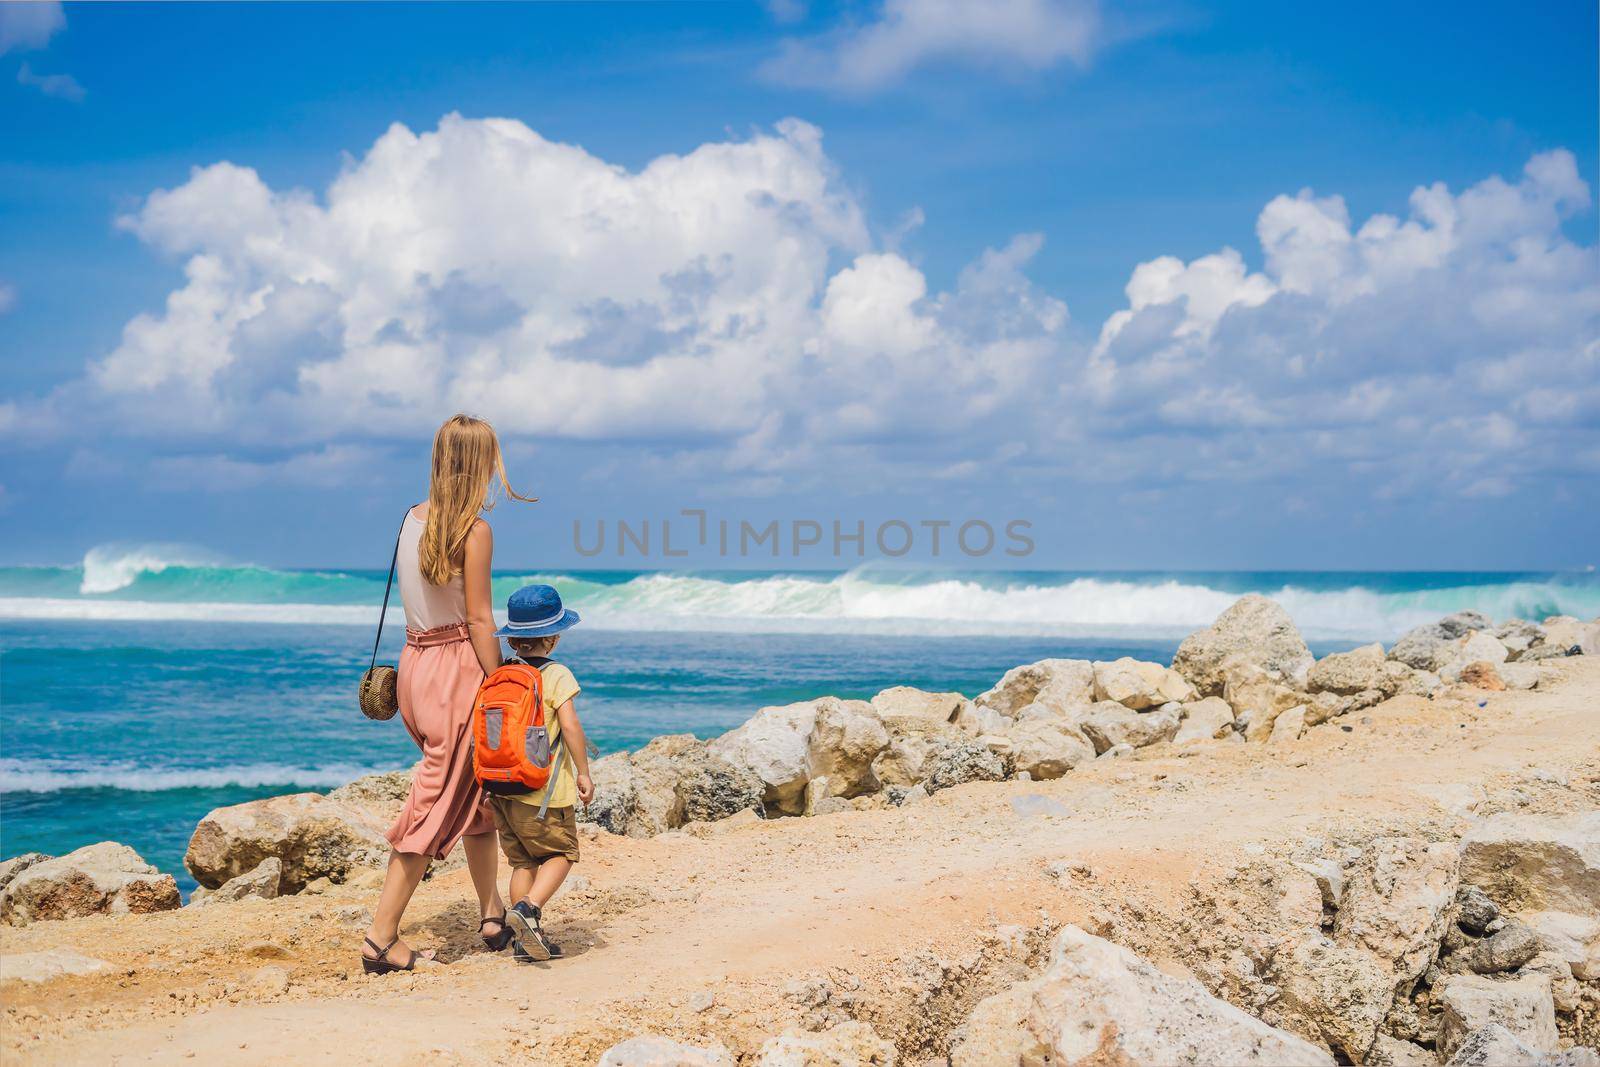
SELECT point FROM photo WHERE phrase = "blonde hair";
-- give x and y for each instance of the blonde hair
(466, 457)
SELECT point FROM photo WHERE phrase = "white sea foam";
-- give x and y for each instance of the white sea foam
(107, 568)
(39, 776)
(864, 602)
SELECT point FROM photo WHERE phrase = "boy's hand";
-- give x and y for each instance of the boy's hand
(585, 789)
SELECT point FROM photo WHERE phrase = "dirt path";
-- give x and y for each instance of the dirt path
(740, 930)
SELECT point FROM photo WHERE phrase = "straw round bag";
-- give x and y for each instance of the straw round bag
(380, 693)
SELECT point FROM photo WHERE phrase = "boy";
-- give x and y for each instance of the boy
(541, 852)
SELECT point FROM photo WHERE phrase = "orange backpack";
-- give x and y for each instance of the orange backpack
(511, 752)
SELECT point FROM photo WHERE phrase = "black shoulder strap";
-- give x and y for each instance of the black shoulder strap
(394, 557)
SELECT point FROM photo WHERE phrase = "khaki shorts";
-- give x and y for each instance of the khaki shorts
(527, 840)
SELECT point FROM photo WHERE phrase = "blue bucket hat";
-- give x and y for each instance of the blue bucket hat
(536, 611)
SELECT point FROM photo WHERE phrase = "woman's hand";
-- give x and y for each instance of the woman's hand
(585, 789)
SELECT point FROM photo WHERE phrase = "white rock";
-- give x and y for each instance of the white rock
(1392, 1052)
(1348, 673)
(653, 1051)
(46, 964)
(1138, 684)
(1341, 991)
(1099, 1003)
(904, 702)
(1522, 1005)
(850, 1044)
(774, 746)
(1480, 646)
(1521, 675)
(1536, 862)
(1048, 748)
(1204, 720)
(1255, 630)
(1289, 726)
(1256, 696)
(102, 879)
(1574, 939)
(1494, 1046)
(263, 882)
(1396, 900)
(1108, 724)
(845, 738)
(978, 719)
(1056, 683)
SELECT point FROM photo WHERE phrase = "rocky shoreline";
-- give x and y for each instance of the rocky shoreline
(1479, 947)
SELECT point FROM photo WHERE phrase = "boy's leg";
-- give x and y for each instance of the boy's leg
(552, 871)
(521, 882)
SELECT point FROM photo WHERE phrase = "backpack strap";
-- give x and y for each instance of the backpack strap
(558, 756)
(394, 558)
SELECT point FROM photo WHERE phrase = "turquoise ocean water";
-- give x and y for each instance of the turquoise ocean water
(143, 687)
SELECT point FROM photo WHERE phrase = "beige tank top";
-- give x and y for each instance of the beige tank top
(428, 606)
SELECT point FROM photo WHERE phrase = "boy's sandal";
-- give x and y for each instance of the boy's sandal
(496, 942)
(380, 964)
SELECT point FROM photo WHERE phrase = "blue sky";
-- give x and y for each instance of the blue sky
(984, 271)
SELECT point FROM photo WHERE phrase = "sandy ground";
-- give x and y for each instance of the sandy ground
(740, 930)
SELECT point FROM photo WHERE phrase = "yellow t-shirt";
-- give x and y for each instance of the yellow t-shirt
(559, 687)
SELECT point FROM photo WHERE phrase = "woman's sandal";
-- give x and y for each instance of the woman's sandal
(380, 964)
(495, 942)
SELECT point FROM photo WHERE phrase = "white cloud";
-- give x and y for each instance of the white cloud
(64, 86)
(8, 297)
(482, 267)
(1449, 343)
(29, 25)
(726, 316)
(904, 35)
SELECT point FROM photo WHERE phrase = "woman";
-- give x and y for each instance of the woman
(443, 563)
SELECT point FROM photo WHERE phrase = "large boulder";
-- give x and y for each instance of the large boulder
(1100, 1004)
(1433, 646)
(845, 738)
(1256, 695)
(1210, 719)
(1348, 673)
(1108, 723)
(1536, 862)
(1058, 684)
(1495, 1046)
(1138, 684)
(671, 781)
(1573, 939)
(902, 703)
(1567, 633)
(1047, 748)
(103, 879)
(311, 834)
(1341, 993)
(1257, 631)
(955, 761)
(263, 883)
(1396, 902)
(912, 742)
(773, 746)
(651, 1050)
(1522, 1005)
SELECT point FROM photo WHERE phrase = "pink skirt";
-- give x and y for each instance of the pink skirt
(439, 679)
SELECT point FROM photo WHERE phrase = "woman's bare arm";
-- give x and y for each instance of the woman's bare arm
(480, 597)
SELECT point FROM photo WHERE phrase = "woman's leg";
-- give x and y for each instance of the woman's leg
(399, 883)
(483, 858)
